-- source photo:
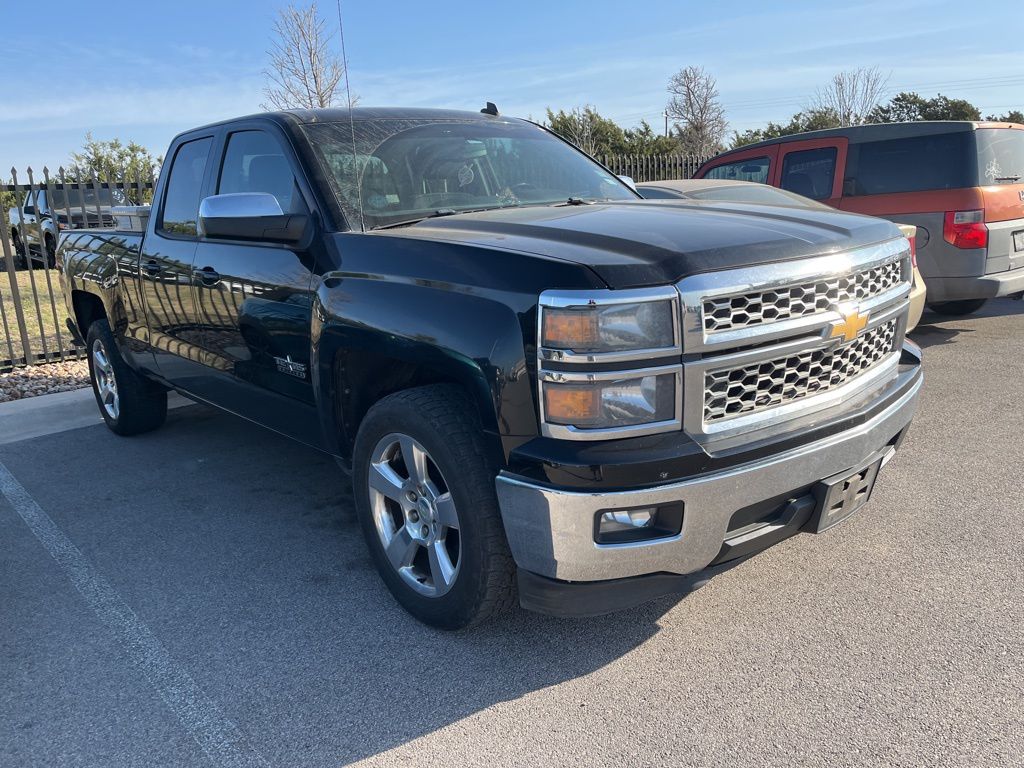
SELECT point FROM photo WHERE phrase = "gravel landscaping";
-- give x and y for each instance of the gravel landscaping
(43, 379)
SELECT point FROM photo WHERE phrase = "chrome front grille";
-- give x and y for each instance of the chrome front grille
(726, 313)
(747, 389)
(773, 344)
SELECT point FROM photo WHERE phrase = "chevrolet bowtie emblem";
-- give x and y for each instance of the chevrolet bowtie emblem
(851, 325)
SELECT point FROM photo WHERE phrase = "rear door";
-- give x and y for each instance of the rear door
(252, 312)
(165, 268)
(812, 168)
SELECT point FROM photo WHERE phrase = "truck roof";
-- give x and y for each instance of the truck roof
(340, 114)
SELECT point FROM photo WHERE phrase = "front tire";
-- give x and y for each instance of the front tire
(427, 506)
(20, 257)
(128, 403)
(958, 308)
(50, 251)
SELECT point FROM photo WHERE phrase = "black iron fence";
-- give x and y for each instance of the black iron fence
(33, 214)
(653, 167)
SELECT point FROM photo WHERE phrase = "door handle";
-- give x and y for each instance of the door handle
(208, 275)
(152, 267)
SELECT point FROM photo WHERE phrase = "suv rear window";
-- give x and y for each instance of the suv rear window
(1000, 155)
(914, 164)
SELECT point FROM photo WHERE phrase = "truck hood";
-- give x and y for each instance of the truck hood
(653, 242)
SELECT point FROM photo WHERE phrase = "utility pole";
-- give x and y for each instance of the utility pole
(666, 123)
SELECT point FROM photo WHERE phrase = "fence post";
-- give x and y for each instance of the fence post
(19, 314)
(21, 199)
(47, 270)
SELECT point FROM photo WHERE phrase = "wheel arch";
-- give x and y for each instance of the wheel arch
(87, 308)
(350, 380)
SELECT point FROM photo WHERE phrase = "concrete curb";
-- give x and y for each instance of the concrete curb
(59, 412)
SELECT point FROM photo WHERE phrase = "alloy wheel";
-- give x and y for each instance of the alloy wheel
(414, 515)
(104, 380)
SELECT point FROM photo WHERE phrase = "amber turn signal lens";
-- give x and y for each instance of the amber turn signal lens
(567, 404)
(570, 329)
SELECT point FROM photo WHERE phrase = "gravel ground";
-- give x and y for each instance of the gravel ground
(43, 380)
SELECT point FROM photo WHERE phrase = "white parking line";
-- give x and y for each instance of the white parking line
(218, 737)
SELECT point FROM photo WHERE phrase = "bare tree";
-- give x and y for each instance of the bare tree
(303, 73)
(695, 106)
(852, 95)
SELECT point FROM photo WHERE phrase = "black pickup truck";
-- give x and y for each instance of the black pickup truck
(544, 386)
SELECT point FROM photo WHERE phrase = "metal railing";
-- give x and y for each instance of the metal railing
(33, 214)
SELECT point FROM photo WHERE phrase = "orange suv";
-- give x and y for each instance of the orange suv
(959, 183)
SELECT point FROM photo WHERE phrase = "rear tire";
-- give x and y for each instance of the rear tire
(128, 403)
(958, 308)
(410, 517)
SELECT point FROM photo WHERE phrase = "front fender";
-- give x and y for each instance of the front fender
(372, 336)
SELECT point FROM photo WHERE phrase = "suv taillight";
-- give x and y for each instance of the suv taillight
(965, 229)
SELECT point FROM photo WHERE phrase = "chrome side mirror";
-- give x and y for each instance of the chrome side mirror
(628, 181)
(250, 216)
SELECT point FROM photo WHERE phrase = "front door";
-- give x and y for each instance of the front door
(253, 301)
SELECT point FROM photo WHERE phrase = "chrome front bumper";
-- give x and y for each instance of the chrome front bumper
(551, 531)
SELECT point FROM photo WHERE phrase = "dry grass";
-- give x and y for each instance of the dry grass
(41, 304)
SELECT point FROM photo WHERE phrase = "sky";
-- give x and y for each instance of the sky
(148, 69)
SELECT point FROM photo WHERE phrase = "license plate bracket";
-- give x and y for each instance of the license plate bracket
(841, 495)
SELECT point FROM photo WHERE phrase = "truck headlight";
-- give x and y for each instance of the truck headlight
(606, 400)
(609, 328)
(585, 342)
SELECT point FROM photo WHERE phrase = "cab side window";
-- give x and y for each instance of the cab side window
(184, 188)
(255, 162)
(810, 172)
(750, 169)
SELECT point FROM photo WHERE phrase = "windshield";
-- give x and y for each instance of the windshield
(1000, 155)
(406, 169)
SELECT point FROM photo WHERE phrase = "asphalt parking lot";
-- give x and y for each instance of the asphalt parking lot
(201, 596)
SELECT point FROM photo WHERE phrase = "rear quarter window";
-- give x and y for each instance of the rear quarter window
(1000, 155)
(913, 164)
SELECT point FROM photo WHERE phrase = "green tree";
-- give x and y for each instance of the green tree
(112, 159)
(911, 107)
(585, 128)
(642, 140)
(809, 120)
(1013, 116)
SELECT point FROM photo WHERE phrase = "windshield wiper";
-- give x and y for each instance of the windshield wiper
(574, 201)
(409, 222)
(1007, 178)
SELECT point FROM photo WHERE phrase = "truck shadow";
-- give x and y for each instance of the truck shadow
(277, 608)
(937, 330)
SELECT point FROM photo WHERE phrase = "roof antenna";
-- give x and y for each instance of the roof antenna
(352, 123)
(490, 109)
